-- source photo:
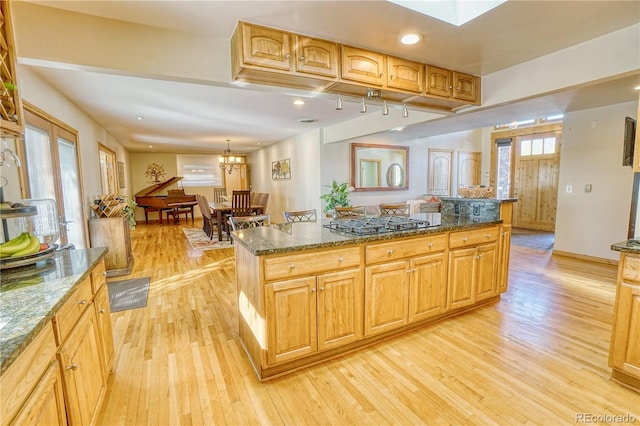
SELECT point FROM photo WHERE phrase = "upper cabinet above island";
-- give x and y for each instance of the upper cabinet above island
(274, 57)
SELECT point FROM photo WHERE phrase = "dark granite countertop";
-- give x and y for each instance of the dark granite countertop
(31, 295)
(300, 236)
(492, 200)
(629, 246)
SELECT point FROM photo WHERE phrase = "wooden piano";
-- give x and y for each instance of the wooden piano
(175, 203)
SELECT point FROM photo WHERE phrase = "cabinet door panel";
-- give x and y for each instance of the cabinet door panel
(105, 332)
(625, 343)
(82, 371)
(405, 75)
(291, 319)
(461, 278)
(339, 309)
(486, 260)
(439, 82)
(464, 87)
(363, 66)
(45, 406)
(503, 258)
(386, 297)
(316, 56)
(266, 47)
(428, 287)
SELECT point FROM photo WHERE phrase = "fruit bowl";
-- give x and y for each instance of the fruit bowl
(29, 259)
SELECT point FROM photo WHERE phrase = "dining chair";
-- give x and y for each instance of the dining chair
(219, 195)
(396, 209)
(240, 206)
(208, 220)
(246, 222)
(300, 215)
(346, 212)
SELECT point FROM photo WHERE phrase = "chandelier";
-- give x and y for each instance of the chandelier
(228, 161)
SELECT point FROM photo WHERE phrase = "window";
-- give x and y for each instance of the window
(537, 146)
(199, 170)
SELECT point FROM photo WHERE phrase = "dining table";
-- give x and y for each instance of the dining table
(224, 208)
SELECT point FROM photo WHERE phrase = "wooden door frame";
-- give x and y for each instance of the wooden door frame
(513, 134)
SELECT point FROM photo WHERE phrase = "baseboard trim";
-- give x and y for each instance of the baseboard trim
(584, 257)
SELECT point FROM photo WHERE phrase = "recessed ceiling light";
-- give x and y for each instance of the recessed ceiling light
(298, 102)
(411, 38)
(140, 118)
(307, 120)
(637, 87)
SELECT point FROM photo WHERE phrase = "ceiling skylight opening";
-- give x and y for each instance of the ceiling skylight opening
(455, 12)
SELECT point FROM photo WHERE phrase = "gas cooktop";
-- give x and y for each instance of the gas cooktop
(376, 225)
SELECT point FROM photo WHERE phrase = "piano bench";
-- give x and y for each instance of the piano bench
(148, 210)
(176, 212)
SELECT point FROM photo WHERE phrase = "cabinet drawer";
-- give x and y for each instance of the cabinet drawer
(98, 277)
(310, 263)
(67, 317)
(631, 268)
(25, 372)
(393, 250)
(473, 236)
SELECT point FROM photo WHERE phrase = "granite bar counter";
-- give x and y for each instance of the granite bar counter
(290, 237)
(31, 295)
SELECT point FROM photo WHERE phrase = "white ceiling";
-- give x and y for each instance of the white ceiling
(208, 114)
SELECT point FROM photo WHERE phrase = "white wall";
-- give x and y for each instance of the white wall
(591, 153)
(300, 192)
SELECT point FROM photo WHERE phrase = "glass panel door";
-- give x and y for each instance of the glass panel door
(72, 201)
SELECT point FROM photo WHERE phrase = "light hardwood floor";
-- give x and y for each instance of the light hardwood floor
(539, 356)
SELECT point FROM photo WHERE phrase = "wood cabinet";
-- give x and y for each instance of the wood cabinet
(405, 75)
(314, 56)
(503, 258)
(362, 66)
(83, 376)
(11, 113)
(465, 87)
(113, 232)
(398, 292)
(624, 353)
(473, 259)
(327, 312)
(300, 307)
(438, 82)
(275, 57)
(60, 377)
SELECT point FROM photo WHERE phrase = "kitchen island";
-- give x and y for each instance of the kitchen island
(307, 293)
(56, 341)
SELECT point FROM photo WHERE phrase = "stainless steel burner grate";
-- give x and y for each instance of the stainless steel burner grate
(377, 225)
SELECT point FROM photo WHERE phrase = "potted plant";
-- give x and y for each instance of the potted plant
(338, 196)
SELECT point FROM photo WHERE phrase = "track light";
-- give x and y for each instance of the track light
(363, 107)
(385, 108)
(405, 111)
(339, 103)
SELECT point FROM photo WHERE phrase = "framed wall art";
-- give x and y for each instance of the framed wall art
(281, 169)
(121, 181)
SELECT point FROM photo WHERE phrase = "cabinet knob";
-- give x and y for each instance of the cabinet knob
(102, 311)
(73, 366)
(313, 289)
(302, 58)
(82, 302)
(488, 235)
(381, 74)
(287, 56)
(292, 266)
(104, 274)
(430, 245)
(390, 252)
(341, 259)
(464, 239)
(321, 288)
(392, 76)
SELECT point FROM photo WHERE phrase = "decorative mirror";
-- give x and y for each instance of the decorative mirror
(379, 167)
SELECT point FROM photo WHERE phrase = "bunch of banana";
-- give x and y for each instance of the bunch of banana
(22, 245)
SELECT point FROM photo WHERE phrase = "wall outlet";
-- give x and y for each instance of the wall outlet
(587, 187)
(569, 189)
